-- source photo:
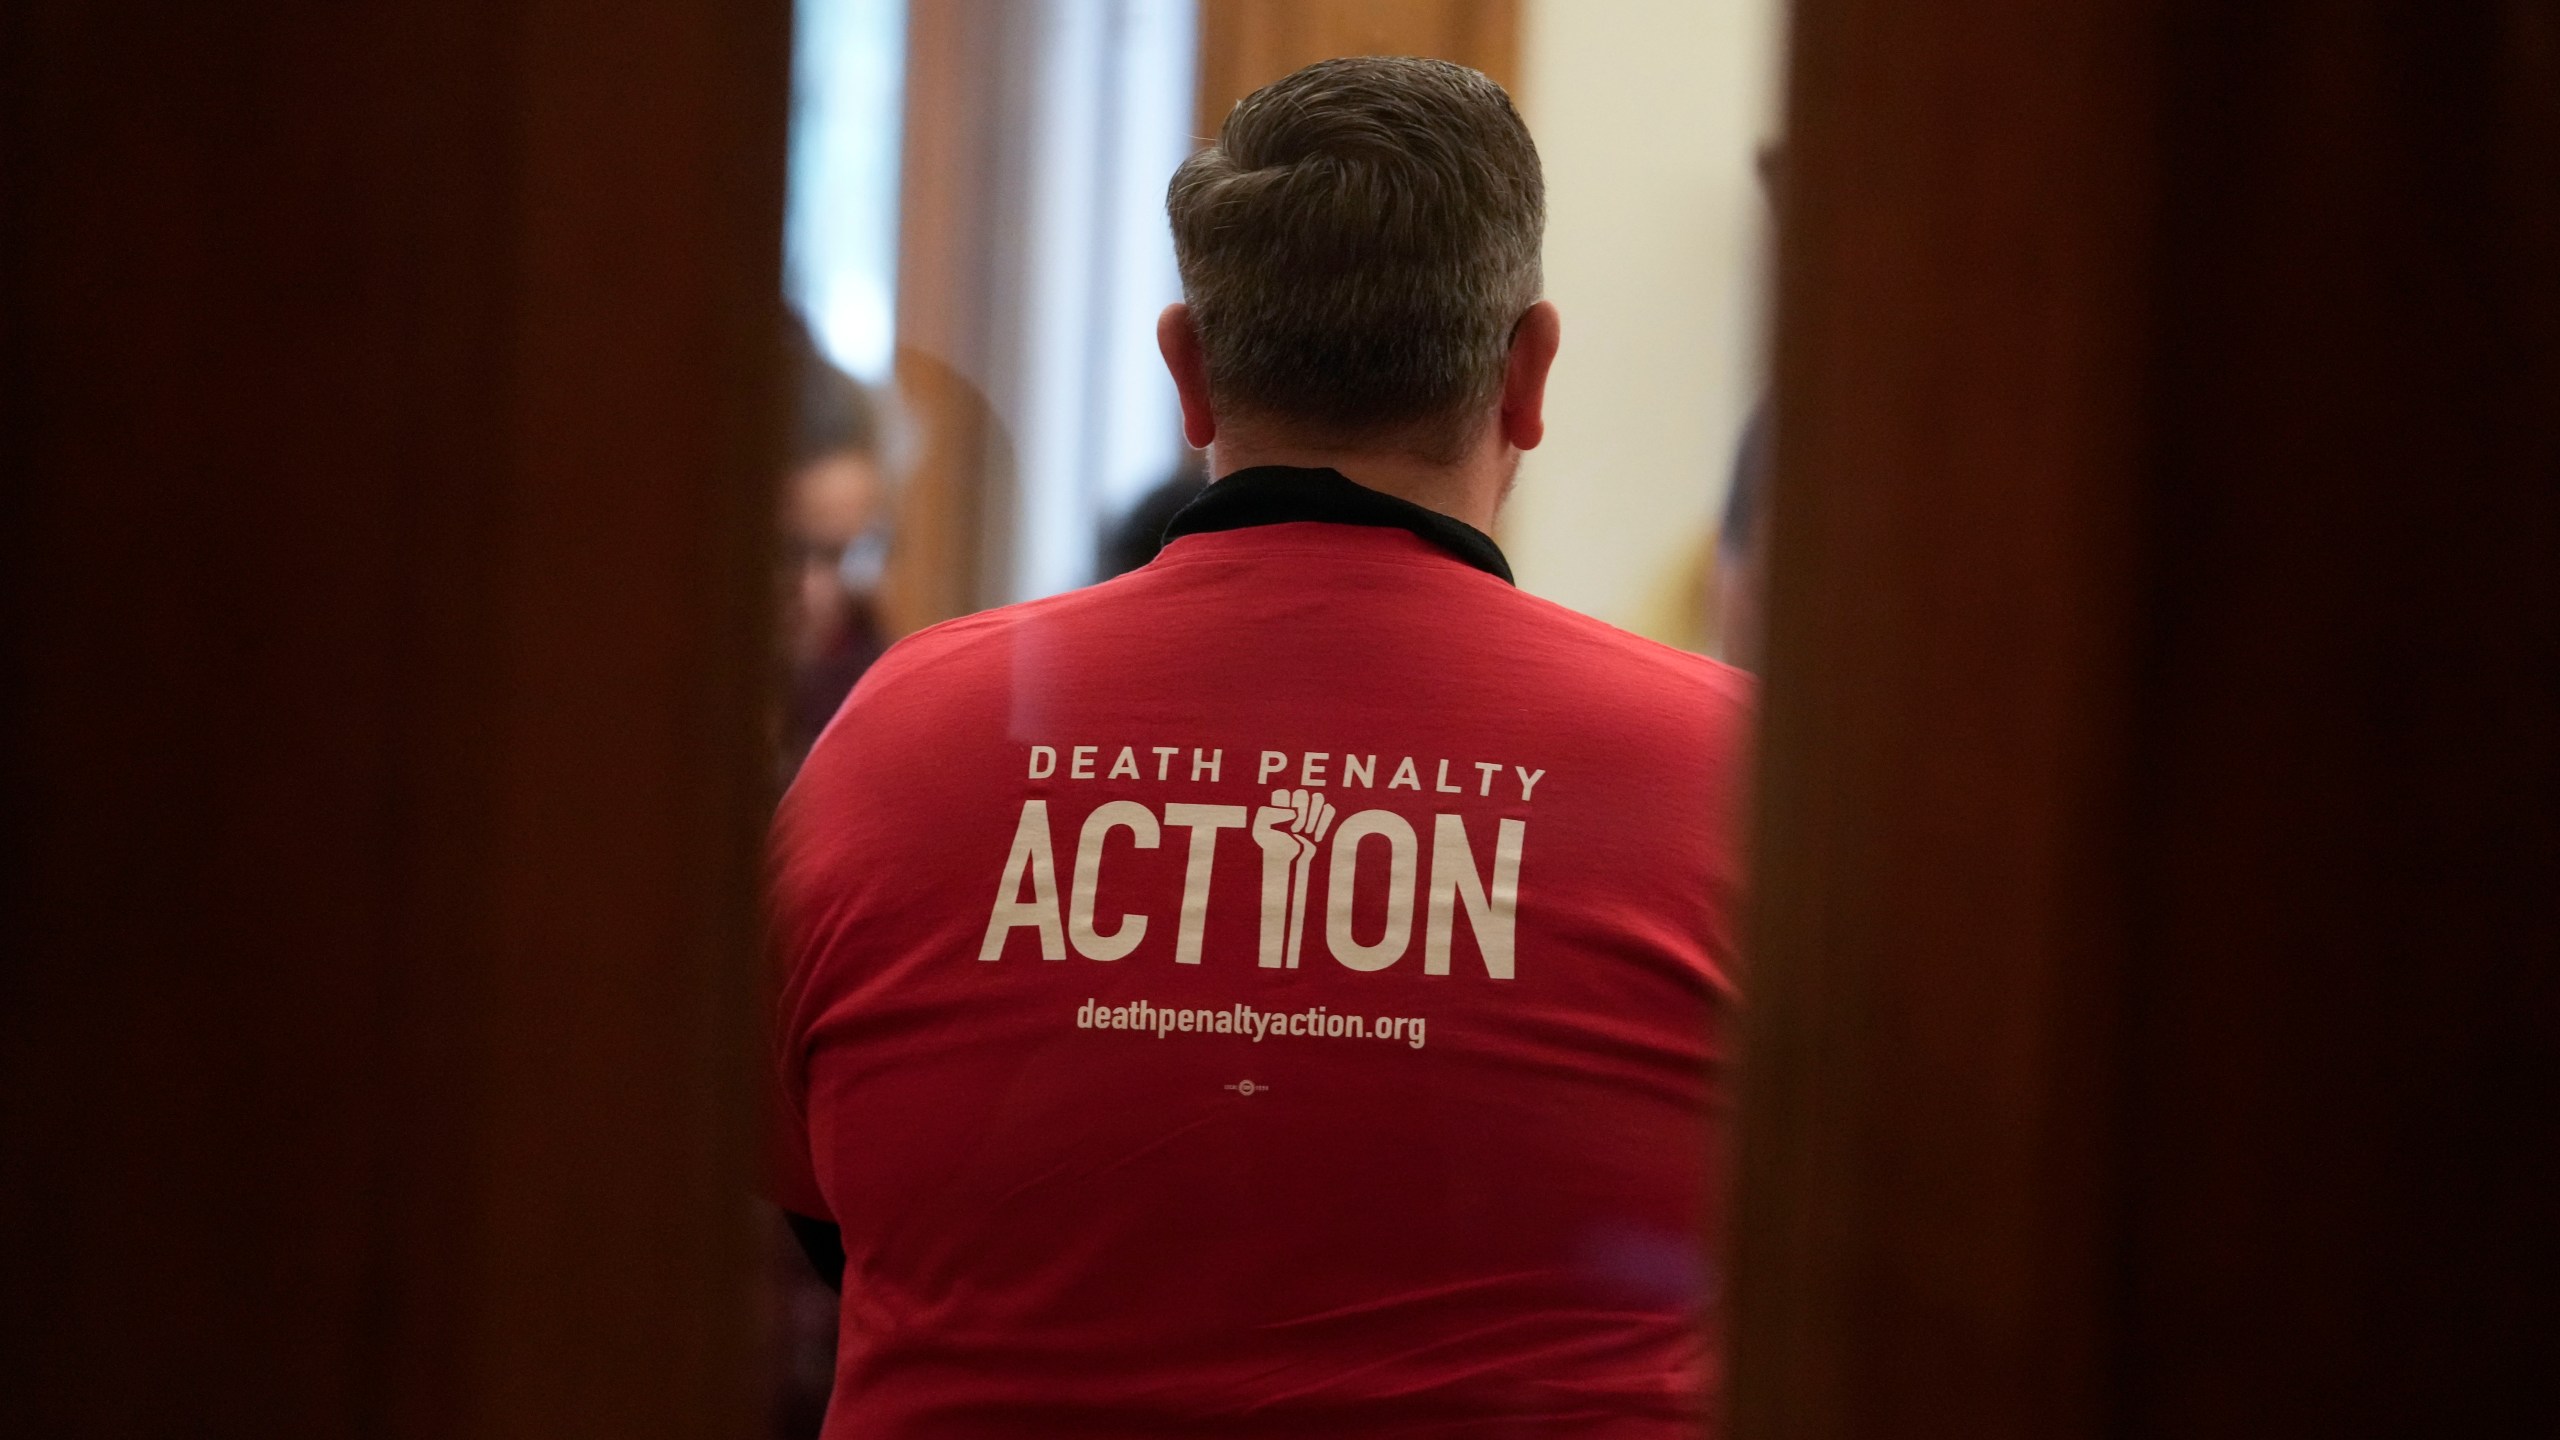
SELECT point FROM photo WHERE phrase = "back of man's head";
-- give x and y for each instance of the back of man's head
(1356, 249)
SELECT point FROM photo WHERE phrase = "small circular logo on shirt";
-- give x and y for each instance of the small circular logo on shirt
(1246, 1087)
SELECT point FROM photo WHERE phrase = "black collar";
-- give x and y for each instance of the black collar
(1282, 494)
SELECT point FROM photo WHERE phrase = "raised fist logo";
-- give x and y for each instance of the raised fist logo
(1288, 829)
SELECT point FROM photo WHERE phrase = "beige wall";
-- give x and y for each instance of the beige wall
(1648, 114)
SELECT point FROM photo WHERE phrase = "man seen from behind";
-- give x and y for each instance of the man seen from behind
(1286, 990)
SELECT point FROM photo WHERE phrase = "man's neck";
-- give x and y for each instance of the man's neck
(1471, 490)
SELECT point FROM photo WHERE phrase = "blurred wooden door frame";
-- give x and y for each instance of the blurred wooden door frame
(952, 519)
(391, 432)
(1247, 44)
(2156, 981)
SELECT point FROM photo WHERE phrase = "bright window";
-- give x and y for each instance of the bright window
(840, 232)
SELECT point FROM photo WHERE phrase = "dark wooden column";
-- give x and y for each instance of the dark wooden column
(2157, 979)
(390, 428)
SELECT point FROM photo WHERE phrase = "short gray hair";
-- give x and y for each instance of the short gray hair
(1358, 247)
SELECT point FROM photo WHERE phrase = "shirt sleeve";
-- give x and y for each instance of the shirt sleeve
(790, 1169)
(791, 1177)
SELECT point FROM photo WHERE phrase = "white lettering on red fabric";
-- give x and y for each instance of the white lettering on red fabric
(1204, 821)
(1491, 912)
(1378, 875)
(1030, 856)
(1315, 768)
(1390, 945)
(1140, 822)
(1243, 1019)
(1288, 830)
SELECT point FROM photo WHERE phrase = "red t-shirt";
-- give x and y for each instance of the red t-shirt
(1283, 991)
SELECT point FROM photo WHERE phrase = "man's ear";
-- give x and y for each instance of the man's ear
(1524, 378)
(1179, 339)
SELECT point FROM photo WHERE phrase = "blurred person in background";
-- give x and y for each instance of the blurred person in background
(835, 528)
(1741, 547)
(1285, 990)
(835, 504)
(1741, 542)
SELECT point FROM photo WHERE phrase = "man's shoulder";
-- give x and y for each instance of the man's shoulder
(1622, 657)
(977, 636)
(1534, 641)
(1595, 640)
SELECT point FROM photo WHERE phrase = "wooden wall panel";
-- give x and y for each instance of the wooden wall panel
(387, 576)
(961, 184)
(1247, 44)
(2155, 1031)
(1958, 377)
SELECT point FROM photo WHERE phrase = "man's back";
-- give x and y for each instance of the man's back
(1282, 991)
